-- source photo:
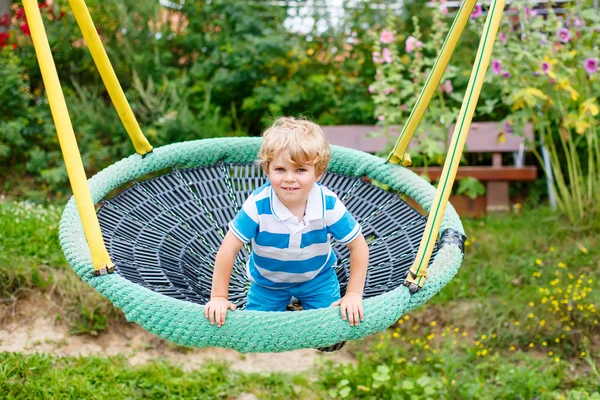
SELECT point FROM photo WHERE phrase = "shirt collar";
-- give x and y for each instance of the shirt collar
(315, 205)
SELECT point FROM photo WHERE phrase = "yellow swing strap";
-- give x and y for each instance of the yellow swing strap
(66, 138)
(92, 39)
(418, 272)
(399, 155)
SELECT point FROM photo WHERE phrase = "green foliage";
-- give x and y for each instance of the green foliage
(25, 125)
(470, 187)
(88, 321)
(548, 75)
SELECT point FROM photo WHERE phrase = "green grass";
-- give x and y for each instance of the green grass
(31, 259)
(29, 246)
(391, 368)
(41, 376)
(518, 321)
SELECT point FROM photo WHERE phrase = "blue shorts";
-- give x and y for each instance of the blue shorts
(319, 292)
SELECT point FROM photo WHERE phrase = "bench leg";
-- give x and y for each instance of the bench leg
(497, 197)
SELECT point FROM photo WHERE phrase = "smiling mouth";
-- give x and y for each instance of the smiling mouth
(290, 189)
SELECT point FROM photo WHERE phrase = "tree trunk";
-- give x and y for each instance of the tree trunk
(4, 9)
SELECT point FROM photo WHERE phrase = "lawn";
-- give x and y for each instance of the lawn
(518, 321)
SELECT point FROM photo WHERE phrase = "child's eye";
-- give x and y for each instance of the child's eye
(301, 170)
(279, 169)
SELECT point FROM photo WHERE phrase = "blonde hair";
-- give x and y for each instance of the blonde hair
(299, 141)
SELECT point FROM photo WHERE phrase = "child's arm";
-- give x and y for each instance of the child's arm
(216, 308)
(351, 303)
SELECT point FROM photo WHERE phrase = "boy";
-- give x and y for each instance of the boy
(289, 220)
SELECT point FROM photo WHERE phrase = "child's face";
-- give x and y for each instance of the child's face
(291, 182)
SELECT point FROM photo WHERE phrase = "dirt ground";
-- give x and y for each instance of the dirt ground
(28, 327)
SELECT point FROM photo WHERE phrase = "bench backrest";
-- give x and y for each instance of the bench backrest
(484, 137)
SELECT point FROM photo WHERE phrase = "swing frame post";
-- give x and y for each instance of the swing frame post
(68, 143)
(418, 273)
(109, 77)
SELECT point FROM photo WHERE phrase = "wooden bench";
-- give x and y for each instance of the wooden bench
(484, 137)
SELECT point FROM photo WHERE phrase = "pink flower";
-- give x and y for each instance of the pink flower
(5, 20)
(591, 65)
(502, 37)
(389, 90)
(447, 87)
(506, 74)
(386, 37)
(444, 10)
(403, 107)
(371, 89)
(376, 58)
(507, 128)
(412, 44)
(578, 23)
(477, 11)
(529, 13)
(381, 118)
(564, 35)
(545, 67)
(497, 66)
(387, 55)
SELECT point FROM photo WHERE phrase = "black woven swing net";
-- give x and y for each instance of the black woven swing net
(164, 233)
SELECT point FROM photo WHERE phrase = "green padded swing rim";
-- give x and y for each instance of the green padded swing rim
(183, 322)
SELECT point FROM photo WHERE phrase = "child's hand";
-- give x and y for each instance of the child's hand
(351, 304)
(216, 310)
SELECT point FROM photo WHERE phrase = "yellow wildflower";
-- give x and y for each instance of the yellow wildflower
(589, 107)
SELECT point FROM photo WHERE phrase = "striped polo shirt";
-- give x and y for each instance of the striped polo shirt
(285, 251)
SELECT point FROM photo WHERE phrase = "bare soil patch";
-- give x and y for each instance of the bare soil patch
(30, 326)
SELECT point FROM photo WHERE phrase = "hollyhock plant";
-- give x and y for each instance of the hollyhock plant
(386, 54)
(386, 37)
(412, 44)
(376, 58)
(477, 11)
(400, 75)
